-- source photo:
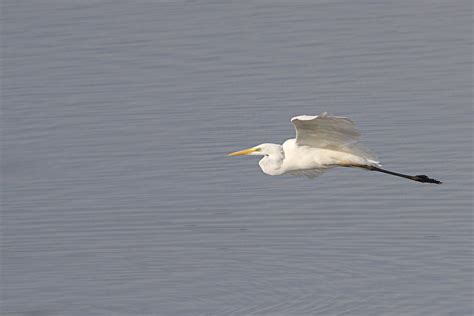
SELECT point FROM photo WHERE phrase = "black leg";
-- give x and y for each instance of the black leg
(419, 178)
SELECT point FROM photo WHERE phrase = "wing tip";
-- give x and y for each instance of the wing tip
(324, 114)
(307, 117)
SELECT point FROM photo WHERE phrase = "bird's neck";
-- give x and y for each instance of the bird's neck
(271, 164)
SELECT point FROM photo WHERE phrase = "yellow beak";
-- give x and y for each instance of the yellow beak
(244, 152)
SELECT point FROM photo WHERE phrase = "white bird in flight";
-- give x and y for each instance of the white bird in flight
(322, 142)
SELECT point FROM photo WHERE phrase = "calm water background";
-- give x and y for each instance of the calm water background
(118, 197)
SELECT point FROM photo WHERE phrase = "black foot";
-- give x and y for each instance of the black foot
(425, 179)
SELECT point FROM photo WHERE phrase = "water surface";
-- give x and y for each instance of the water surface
(118, 197)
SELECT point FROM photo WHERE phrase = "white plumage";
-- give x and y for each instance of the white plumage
(322, 142)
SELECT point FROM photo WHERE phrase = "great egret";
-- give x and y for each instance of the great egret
(322, 142)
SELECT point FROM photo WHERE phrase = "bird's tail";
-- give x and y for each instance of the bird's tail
(360, 150)
(373, 163)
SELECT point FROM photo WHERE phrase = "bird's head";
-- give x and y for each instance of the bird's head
(273, 156)
(261, 150)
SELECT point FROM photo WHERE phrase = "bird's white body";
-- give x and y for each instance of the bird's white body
(322, 142)
(305, 160)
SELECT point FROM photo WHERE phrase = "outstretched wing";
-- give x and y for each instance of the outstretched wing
(330, 132)
(309, 173)
(324, 131)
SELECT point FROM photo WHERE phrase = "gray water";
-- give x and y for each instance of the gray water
(118, 197)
